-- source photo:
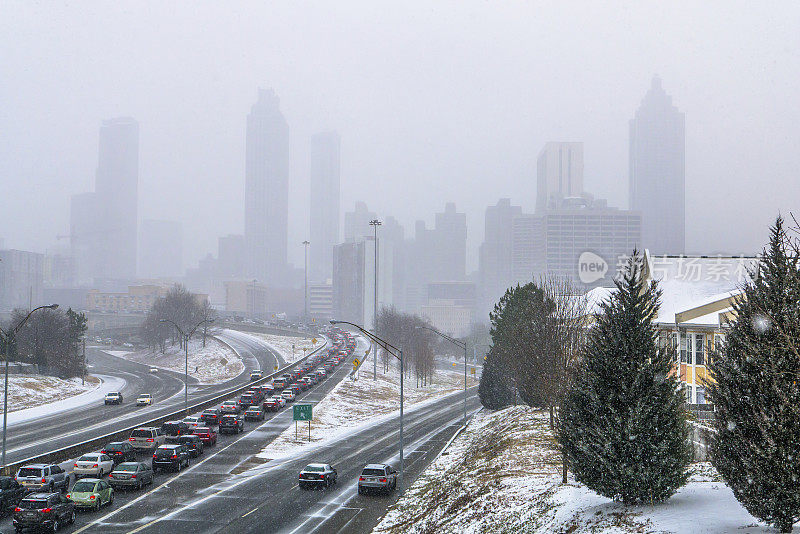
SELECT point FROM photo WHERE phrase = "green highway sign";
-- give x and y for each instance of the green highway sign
(302, 412)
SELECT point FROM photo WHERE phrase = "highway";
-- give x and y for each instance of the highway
(30, 438)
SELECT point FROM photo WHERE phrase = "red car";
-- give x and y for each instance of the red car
(206, 435)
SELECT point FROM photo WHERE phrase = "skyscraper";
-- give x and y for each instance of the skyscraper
(494, 255)
(657, 186)
(267, 190)
(324, 215)
(559, 173)
(356, 222)
(117, 197)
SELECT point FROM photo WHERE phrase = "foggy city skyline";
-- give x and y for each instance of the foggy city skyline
(433, 104)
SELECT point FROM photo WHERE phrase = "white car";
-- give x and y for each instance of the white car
(154, 369)
(288, 395)
(193, 421)
(93, 465)
(145, 399)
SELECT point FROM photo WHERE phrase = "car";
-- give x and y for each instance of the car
(154, 369)
(42, 477)
(10, 494)
(193, 421)
(257, 394)
(147, 438)
(145, 399)
(317, 475)
(279, 383)
(229, 407)
(91, 494)
(113, 397)
(271, 404)
(256, 375)
(245, 401)
(295, 388)
(281, 401)
(193, 443)
(206, 435)
(43, 511)
(131, 475)
(288, 396)
(210, 417)
(174, 429)
(377, 477)
(95, 464)
(173, 456)
(254, 413)
(267, 390)
(120, 451)
(231, 424)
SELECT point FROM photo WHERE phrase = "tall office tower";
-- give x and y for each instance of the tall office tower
(356, 222)
(231, 257)
(527, 248)
(494, 254)
(267, 190)
(657, 186)
(559, 172)
(117, 196)
(354, 282)
(450, 256)
(160, 249)
(324, 225)
(84, 235)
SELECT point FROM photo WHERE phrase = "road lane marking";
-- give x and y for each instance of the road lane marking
(250, 512)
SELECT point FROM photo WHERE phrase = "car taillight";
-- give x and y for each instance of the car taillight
(154, 456)
(150, 440)
(74, 465)
(174, 456)
(95, 465)
(382, 479)
(20, 509)
(111, 475)
(91, 497)
(131, 439)
(132, 476)
(44, 481)
(46, 510)
(361, 479)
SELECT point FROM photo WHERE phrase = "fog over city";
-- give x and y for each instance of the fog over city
(434, 102)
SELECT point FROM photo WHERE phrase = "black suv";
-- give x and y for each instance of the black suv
(10, 494)
(43, 510)
(172, 456)
(231, 424)
(120, 451)
(175, 429)
(193, 443)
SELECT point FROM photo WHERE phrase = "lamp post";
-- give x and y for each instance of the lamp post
(375, 223)
(397, 353)
(305, 293)
(186, 364)
(463, 345)
(6, 339)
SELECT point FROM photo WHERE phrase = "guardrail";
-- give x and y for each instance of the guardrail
(70, 451)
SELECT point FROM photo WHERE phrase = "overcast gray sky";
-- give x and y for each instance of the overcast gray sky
(435, 102)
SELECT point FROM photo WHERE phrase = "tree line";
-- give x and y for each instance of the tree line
(616, 405)
(419, 345)
(183, 308)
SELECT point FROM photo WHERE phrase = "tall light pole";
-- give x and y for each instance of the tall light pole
(305, 293)
(186, 364)
(6, 337)
(457, 343)
(375, 223)
(397, 353)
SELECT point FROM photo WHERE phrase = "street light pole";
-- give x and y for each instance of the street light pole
(375, 223)
(186, 361)
(463, 345)
(305, 294)
(6, 339)
(397, 353)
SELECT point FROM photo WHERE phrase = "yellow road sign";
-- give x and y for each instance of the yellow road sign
(276, 367)
(313, 341)
(355, 362)
(472, 371)
(454, 364)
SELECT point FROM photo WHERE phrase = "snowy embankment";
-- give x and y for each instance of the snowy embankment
(352, 404)
(27, 391)
(213, 364)
(503, 474)
(289, 347)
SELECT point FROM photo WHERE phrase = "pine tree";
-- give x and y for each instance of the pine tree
(623, 425)
(755, 389)
(495, 390)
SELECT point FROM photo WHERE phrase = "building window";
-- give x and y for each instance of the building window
(699, 349)
(688, 394)
(686, 347)
(701, 395)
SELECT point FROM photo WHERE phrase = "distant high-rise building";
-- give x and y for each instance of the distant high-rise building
(231, 257)
(494, 254)
(353, 280)
(527, 248)
(559, 172)
(21, 279)
(160, 249)
(356, 222)
(450, 257)
(657, 186)
(267, 190)
(324, 225)
(84, 236)
(117, 197)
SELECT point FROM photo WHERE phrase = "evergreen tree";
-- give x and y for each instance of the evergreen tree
(755, 389)
(623, 425)
(496, 389)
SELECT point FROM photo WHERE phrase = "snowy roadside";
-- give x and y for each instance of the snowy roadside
(353, 404)
(213, 364)
(289, 347)
(28, 391)
(502, 474)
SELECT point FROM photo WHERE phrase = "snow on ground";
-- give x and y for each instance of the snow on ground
(503, 474)
(213, 364)
(27, 391)
(284, 345)
(355, 403)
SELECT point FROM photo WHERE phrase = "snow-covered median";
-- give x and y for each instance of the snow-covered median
(354, 403)
(289, 347)
(28, 391)
(213, 364)
(503, 474)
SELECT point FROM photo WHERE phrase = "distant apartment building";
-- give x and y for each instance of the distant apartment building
(320, 301)
(450, 307)
(528, 246)
(138, 299)
(21, 279)
(160, 249)
(494, 256)
(657, 171)
(559, 170)
(325, 210)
